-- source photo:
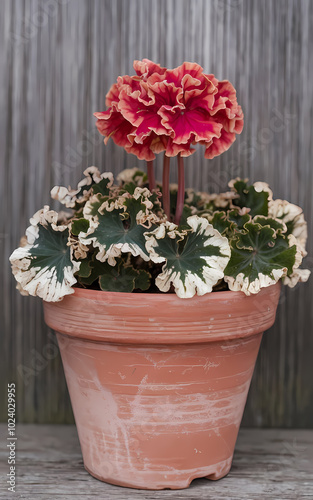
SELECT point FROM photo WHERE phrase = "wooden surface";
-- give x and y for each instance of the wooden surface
(268, 464)
(58, 59)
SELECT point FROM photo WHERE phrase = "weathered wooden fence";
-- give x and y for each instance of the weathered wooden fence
(58, 59)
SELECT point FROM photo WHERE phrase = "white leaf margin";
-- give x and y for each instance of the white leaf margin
(128, 175)
(243, 284)
(288, 212)
(256, 220)
(259, 186)
(193, 284)
(144, 217)
(219, 200)
(68, 196)
(36, 281)
(298, 276)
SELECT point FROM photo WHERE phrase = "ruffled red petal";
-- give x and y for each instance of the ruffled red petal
(145, 68)
(169, 110)
(218, 145)
(184, 124)
(145, 151)
(111, 123)
(172, 149)
(176, 75)
(143, 114)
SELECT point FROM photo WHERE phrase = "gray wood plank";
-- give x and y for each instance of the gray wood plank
(58, 59)
(268, 464)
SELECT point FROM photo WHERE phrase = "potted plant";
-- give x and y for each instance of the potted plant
(159, 294)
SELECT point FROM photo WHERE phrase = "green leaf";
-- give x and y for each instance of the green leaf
(142, 280)
(85, 268)
(130, 187)
(191, 202)
(250, 198)
(44, 266)
(93, 204)
(123, 279)
(51, 252)
(130, 178)
(194, 259)
(102, 187)
(185, 214)
(275, 224)
(259, 258)
(116, 231)
(76, 198)
(193, 199)
(79, 225)
(96, 268)
(221, 222)
(127, 236)
(173, 200)
(239, 220)
(293, 217)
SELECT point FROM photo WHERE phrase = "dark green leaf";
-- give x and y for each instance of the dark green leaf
(43, 266)
(50, 251)
(92, 206)
(186, 213)
(85, 268)
(239, 220)
(79, 225)
(118, 229)
(221, 222)
(192, 262)
(250, 198)
(273, 223)
(121, 278)
(102, 187)
(258, 252)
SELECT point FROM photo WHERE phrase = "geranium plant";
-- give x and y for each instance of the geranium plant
(138, 235)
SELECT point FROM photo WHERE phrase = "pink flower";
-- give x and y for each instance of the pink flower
(170, 110)
(146, 68)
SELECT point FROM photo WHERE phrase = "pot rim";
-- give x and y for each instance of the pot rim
(165, 297)
(119, 317)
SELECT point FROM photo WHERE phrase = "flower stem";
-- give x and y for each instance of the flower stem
(151, 177)
(181, 189)
(166, 186)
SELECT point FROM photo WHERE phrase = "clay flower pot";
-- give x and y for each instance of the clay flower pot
(158, 384)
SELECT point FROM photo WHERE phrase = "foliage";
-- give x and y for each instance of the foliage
(118, 238)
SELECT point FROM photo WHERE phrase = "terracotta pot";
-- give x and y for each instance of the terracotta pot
(158, 384)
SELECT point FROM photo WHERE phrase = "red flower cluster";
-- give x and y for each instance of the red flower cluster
(170, 110)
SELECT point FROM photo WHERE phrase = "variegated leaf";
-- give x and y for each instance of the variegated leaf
(293, 217)
(194, 259)
(118, 226)
(259, 258)
(44, 266)
(73, 198)
(251, 197)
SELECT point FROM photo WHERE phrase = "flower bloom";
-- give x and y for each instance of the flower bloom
(170, 110)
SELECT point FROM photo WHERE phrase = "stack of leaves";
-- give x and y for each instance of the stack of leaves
(116, 237)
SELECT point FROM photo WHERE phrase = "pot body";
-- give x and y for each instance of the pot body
(158, 384)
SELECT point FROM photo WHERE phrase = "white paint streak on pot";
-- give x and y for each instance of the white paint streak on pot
(158, 384)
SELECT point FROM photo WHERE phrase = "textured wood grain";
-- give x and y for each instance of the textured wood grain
(268, 464)
(58, 59)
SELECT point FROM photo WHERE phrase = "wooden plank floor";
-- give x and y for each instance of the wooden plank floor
(268, 464)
